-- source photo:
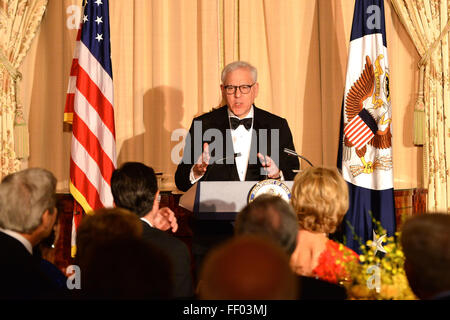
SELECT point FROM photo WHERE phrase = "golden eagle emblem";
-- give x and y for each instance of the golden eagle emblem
(367, 120)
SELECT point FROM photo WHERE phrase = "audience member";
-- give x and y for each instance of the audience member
(247, 268)
(127, 268)
(27, 216)
(134, 187)
(46, 250)
(320, 200)
(272, 217)
(104, 226)
(425, 241)
(116, 263)
(269, 216)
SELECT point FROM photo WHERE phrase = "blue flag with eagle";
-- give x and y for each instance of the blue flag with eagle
(365, 149)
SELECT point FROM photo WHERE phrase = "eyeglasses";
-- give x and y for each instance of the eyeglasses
(244, 89)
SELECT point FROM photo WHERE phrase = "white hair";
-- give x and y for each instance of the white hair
(239, 65)
(24, 197)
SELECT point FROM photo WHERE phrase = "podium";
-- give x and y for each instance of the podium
(218, 200)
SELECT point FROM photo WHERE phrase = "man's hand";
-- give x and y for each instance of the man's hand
(164, 218)
(202, 162)
(270, 166)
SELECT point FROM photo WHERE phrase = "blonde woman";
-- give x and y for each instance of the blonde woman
(320, 200)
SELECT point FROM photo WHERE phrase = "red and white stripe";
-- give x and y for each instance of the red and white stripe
(68, 111)
(358, 132)
(90, 110)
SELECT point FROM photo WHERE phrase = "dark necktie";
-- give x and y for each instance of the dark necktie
(235, 122)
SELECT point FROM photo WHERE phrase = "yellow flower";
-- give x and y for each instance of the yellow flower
(359, 292)
(389, 291)
(394, 284)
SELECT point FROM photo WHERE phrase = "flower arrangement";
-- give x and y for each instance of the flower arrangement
(379, 275)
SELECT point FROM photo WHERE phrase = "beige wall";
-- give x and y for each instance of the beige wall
(167, 56)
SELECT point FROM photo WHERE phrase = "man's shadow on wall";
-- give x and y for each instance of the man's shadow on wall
(327, 153)
(162, 114)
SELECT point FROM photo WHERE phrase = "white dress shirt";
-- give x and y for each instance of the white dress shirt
(242, 139)
(19, 238)
(147, 222)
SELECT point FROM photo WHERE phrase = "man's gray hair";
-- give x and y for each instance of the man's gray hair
(24, 197)
(272, 217)
(239, 65)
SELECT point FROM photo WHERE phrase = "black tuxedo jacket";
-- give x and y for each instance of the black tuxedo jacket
(226, 171)
(179, 256)
(20, 274)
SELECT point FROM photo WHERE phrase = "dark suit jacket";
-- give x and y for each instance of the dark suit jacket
(226, 171)
(20, 274)
(179, 256)
(316, 289)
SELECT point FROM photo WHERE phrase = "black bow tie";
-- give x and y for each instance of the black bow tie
(235, 122)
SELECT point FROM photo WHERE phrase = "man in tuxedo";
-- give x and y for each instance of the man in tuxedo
(27, 216)
(273, 218)
(240, 142)
(134, 187)
(251, 140)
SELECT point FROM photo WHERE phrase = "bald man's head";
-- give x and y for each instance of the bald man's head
(247, 268)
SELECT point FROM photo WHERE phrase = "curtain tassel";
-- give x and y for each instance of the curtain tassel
(419, 112)
(21, 136)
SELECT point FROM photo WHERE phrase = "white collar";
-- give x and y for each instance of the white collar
(232, 115)
(19, 238)
(147, 222)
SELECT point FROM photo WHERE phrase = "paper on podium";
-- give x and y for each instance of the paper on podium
(218, 200)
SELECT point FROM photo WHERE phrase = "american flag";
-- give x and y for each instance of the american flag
(89, 108)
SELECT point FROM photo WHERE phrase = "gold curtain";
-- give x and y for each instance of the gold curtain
(167, 56)
(428, 25)
(19, 22)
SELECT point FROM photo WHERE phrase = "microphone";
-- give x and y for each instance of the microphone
(235, 155)
(295, 154)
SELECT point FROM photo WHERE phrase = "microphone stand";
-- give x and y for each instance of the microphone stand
(295, 154)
